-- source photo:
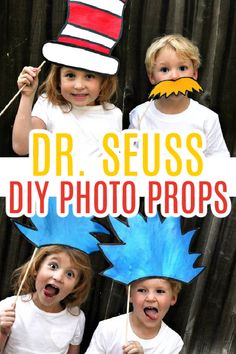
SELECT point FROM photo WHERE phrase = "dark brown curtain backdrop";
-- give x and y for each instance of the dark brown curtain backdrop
(205, 315)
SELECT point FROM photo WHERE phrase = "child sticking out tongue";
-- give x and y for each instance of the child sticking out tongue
(50, 290)
(151, 312)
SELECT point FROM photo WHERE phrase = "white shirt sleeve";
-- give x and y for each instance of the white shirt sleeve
(214, 139)
(134, 119)
(98, 343)
(178, 347)
(78, 335)
(139, 113)
(40, 109)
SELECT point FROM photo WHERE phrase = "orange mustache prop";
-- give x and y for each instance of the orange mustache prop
(169, 87)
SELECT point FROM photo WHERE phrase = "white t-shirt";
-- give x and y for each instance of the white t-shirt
(35, 331)
(109, 337)
(89, 123)
(195, 118)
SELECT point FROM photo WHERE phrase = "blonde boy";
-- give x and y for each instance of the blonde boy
(170, 58)
(151, 299)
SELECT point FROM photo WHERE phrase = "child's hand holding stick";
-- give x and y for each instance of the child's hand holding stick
(23, 77)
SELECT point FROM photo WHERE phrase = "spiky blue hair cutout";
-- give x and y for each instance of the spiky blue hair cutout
(151, 249)
(71, 230)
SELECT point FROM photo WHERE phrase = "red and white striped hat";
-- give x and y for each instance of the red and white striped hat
(92, 29)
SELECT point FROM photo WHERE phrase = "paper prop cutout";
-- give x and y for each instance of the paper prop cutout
(151, 249)
(72, 231)
(169, 87)
(92, 29)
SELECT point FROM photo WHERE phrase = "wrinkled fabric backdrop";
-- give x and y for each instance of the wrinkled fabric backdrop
(205, 315)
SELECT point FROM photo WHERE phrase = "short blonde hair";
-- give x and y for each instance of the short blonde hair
(79, 260)
(175, 285)
(182, 45)
(51, 87)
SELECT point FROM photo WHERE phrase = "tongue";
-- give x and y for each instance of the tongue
(152, 314)
(50, 291)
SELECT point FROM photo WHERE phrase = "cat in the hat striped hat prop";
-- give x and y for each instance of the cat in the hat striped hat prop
(92, 29)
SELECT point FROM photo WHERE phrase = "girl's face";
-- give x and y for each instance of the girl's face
(151, 299)
(55, 280)
(79, 87)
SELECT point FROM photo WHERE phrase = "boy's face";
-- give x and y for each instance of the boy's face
(151, 299)
(169, 65)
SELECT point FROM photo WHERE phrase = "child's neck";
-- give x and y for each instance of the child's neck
(140, 330)
(57, 307)
(172, 104)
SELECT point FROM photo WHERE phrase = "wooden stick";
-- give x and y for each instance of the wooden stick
(21, 89)
(26, 274)
(140, 120)
(127, 315)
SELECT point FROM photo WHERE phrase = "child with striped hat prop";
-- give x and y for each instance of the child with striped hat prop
(81, 82)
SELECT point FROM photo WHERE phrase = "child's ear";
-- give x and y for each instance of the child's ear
(195, 74)
(131, 298)
(173, 300)
(152, 80)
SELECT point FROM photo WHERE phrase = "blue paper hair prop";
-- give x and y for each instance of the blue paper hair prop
(151, 249)
(71, 230)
